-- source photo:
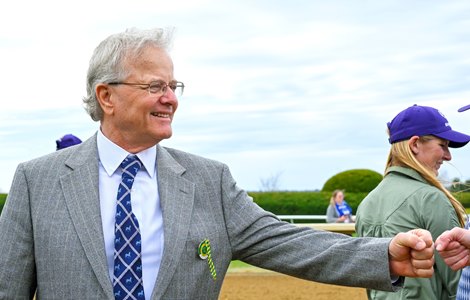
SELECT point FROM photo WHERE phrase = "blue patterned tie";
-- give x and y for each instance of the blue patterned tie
(127, 280)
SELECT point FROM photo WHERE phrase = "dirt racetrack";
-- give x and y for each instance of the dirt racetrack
(274, 286)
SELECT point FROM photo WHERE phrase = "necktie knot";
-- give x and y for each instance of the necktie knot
(130, 166)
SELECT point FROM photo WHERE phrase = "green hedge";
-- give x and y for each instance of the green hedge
(464, 198)
(314, 203)
(3, 198)
(353, 181)
(302, 203)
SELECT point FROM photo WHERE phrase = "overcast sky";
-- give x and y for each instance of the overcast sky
(301, 90)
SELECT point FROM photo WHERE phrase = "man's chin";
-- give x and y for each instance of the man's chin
(165, 136)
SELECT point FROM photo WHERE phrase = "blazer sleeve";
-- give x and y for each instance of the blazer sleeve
(17, 265)
(261, 239)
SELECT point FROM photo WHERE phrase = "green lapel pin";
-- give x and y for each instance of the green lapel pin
(204, 251)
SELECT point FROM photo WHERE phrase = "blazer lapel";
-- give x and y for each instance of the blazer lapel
(81, 191)
(176, 198)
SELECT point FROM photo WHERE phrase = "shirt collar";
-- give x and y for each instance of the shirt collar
(111, 155)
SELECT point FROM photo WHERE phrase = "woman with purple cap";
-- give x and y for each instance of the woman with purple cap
(411, 196)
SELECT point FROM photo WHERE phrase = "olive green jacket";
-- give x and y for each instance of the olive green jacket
(405, 201)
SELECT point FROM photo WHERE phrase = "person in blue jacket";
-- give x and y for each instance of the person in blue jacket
(339, 210)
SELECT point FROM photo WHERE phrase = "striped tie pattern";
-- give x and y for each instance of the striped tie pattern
(127, 279)
(463, 291)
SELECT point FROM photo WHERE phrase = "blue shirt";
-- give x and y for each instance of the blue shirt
(463, 291)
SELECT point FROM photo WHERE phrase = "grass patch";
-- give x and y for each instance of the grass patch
(239, 266)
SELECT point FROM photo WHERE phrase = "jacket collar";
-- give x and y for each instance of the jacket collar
(407, 172)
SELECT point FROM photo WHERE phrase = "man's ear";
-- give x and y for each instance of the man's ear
(414, 144)
(103, 95)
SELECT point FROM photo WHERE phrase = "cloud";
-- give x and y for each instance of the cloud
(304, 88)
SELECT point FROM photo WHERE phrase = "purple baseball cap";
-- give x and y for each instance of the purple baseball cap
(424, 120)
(464, 108)
(67, 141)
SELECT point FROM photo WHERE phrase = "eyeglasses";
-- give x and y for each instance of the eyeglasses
(156, 87)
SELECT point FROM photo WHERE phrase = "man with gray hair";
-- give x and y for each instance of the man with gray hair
(122, 217)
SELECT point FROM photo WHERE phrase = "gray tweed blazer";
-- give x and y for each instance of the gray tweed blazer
(51, 236)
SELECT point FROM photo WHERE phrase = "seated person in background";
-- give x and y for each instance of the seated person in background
(339, 210)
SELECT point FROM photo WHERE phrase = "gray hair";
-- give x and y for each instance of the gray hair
(107, 61)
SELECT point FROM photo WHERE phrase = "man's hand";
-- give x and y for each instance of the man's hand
(411, 254)
(454, 247)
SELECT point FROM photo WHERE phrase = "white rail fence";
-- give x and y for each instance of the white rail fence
(291, 218)
(346, 228)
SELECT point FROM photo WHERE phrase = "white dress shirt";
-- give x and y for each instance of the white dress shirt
(145, 206)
